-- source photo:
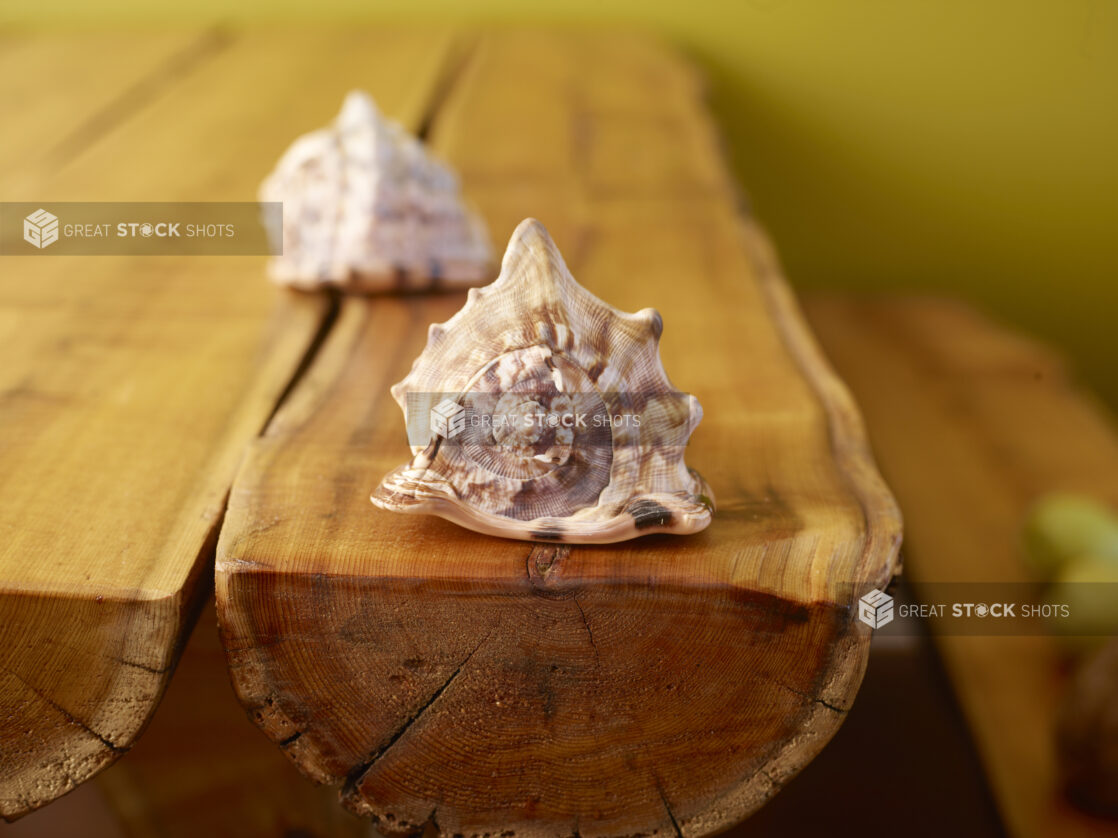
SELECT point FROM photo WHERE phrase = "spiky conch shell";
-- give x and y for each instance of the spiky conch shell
(366, 208)
(535, 342)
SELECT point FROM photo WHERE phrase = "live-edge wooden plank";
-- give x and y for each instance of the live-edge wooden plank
(130, 386)
(481, 685)
(202, 769)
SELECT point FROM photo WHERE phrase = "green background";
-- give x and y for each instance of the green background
(968, 148)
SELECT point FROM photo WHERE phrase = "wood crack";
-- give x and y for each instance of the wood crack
(357, 772)
(814, 699)
(154, 670)
(70, 717)
(671, 814)
(589, 631)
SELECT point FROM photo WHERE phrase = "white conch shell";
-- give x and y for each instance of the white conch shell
(536, 348)
(366, 208)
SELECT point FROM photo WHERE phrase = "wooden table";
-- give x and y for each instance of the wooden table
(971, 423)
(665, 684)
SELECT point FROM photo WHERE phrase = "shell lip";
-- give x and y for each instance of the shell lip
(646, 515)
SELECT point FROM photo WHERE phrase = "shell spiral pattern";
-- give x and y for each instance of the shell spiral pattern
(540, 412)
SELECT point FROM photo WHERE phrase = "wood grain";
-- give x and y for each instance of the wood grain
(61, 90)
(202, 769)
(131, 385)
(971, 424)
(477, 685)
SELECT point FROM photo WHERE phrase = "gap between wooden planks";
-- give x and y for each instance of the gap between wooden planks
(131, 385)
(971, 424)
(201, 769)
(482, 685)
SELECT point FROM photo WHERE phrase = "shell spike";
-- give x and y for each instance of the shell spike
(532, 253)
(358, 108)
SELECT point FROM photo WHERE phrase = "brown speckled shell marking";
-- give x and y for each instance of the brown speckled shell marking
(536, 343)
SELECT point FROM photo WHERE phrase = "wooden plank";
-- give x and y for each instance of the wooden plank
(971, 424)
(61, 89)
(201, 769)
(631, 135)
(131, 385)
(480, 685)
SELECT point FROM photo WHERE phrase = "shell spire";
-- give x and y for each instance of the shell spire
(540, 412)
(368, 209)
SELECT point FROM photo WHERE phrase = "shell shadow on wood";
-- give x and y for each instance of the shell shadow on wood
(367, 209)
(540, 412)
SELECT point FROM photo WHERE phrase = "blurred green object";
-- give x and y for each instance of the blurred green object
(1062, 527)
(1088, 585)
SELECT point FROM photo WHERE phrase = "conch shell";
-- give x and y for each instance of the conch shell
(367, 209)
(540, 412)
